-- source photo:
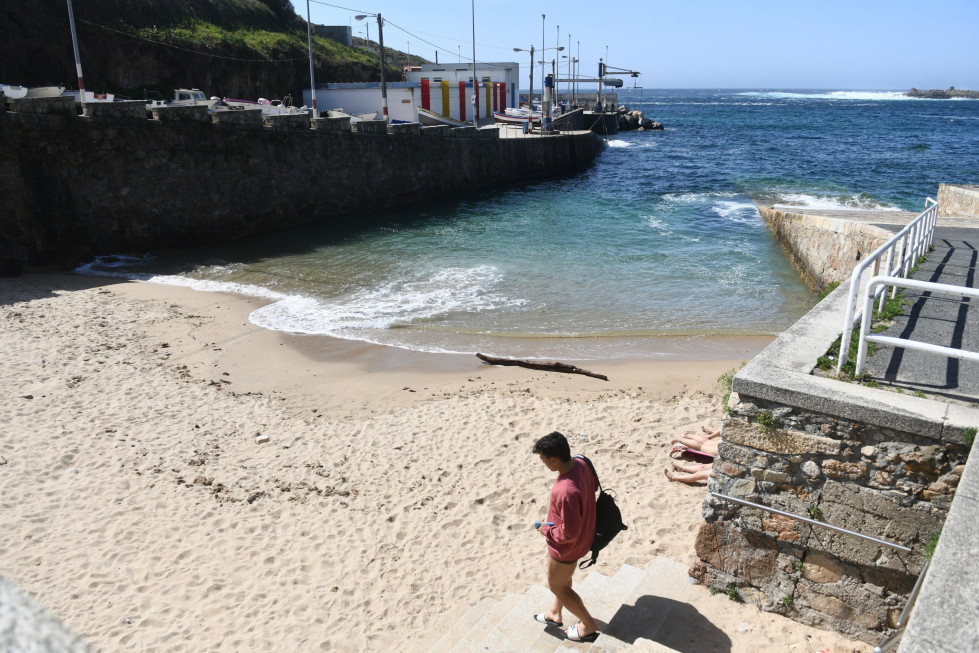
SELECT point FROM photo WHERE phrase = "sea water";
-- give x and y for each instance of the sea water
(657, 245)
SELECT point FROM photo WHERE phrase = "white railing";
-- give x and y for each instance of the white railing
(906, 246)
(925, 286)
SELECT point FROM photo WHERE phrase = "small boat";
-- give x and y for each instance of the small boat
(192, 97)
(13, 92)
(354, 117)
(281, 107)
(432, 119)
(45, 91)
(506, 118)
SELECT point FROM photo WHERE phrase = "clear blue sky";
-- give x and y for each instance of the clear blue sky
(858, 44)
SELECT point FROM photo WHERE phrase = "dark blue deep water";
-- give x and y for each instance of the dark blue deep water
(659, 241)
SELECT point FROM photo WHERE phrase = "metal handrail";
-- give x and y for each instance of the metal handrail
(875, 540)
(928, 286)
(902, 621)
(915, 239)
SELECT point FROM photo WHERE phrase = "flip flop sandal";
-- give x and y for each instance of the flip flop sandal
(573, 635)
(540, 618)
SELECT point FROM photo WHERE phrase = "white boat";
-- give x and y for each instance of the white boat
(192, 97)
(281, 107)
(45, 91)
(13, 92)
(521, 115)
(354, 117)
(432, 119)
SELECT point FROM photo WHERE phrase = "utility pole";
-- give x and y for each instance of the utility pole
(312, 79)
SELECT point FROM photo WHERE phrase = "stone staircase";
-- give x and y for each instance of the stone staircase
(631, 607)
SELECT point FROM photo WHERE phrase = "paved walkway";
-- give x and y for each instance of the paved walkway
(938, 319)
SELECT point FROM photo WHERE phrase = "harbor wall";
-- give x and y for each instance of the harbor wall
(75, 186)
(958, 200)
(823, 249)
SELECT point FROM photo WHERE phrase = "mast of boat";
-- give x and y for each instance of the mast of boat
(78, 59)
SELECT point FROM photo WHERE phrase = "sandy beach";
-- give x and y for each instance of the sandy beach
(174, 478)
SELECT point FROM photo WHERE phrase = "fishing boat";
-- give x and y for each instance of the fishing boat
(354, 117)
(432, 119)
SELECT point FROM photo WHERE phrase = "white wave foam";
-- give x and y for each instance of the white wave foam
(866, 96)
(617, 143)
(697, 198)
(737, 211)
(832, 203)
(115, 267)
(389, 305)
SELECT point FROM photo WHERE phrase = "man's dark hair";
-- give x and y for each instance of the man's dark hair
(553, 445)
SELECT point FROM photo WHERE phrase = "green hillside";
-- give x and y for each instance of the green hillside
(231, 48)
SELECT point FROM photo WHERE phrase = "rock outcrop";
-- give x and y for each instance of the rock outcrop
(635, 120)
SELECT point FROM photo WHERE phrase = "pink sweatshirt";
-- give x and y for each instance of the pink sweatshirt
(572, 510)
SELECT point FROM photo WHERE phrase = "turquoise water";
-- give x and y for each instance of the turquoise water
(660, 237)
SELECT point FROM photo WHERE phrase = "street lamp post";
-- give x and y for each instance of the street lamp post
(530, 100)
(543, 47)
(380, 39)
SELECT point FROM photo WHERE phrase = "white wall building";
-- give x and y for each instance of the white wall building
(447, 89)
(363, 98)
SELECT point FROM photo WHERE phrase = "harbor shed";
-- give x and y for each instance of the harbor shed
(366, 97)
(447, 88)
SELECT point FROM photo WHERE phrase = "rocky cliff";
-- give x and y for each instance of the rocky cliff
(234, 48)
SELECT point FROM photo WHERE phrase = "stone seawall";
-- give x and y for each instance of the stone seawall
(74, 186)
(866, 459)
(958, 200)
(823, 249)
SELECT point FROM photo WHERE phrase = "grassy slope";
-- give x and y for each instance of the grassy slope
(243, 48)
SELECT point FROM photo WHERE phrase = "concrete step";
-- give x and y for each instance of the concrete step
(520, 616)
(522, 638)
(592, 586)
(462, 626)
(615, 593)
(487, 623)
(630, 607)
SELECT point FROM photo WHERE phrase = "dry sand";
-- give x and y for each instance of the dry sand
(396, 489)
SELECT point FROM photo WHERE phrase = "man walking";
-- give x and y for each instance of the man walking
(568, 531)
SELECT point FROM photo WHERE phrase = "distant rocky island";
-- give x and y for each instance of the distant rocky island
(936, 94)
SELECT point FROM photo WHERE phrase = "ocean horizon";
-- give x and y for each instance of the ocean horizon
(659, 240)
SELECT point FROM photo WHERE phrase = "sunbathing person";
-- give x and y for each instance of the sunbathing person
(706, 443)
(693, 472)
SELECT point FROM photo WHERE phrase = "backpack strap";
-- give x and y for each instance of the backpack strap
(592, 468)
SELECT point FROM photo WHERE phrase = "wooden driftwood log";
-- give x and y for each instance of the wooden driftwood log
(540, 365)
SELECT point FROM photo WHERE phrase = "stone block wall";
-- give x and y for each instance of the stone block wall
(958, 200)
(880, 481)
(823, 249)
(73, 187)
(128, 109)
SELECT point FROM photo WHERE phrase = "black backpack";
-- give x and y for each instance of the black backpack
(608, 519)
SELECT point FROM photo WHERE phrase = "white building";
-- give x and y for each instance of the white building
(447, 89)
(364, 98)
